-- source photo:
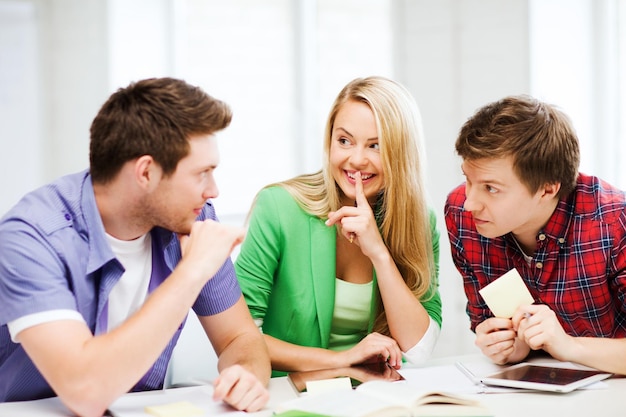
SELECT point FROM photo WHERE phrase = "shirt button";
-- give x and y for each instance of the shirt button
(67, 217)
(542, 236)
(561, 240)
(539, 265)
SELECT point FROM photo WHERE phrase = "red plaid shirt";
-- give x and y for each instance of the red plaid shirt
(578, 269)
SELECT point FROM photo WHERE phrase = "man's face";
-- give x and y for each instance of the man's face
(498, 200)
(178, 199)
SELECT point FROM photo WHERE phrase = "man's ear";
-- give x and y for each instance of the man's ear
(551, 190)
(147, 171)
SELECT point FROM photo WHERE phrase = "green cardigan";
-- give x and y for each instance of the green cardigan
(286, 269)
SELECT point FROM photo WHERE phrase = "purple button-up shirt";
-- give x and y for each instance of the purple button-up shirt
(54, 256)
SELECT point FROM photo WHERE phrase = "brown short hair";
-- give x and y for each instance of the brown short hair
(539, 137)
(156, 117)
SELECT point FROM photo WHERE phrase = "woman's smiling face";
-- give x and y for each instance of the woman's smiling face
(354, 147)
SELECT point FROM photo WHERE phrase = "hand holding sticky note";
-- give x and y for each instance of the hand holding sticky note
(504, 295)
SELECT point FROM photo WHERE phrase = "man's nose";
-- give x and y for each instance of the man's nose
(471, 203)
(211, 190)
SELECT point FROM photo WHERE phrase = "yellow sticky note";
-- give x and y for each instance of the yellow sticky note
(505, 294)
(331, 384)
(178, 409)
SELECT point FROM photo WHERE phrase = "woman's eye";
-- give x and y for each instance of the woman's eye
(343, 141)
(490, 189)
(375, 146)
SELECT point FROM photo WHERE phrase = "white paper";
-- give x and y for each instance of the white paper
(323, 385)
(133, 405)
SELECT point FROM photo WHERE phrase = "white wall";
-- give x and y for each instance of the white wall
(53, 80)
(279, 63)
(20, 158)
(456, 57)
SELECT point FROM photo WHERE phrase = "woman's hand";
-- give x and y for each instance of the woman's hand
(374, 348)
(358, 224)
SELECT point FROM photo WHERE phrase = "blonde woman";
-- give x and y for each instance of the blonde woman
(340, 267)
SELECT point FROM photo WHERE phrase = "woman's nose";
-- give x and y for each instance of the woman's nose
(358, 157)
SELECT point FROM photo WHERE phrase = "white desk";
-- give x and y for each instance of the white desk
(605, 402)
(280, 390)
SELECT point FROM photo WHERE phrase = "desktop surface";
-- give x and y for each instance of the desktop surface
(606, 400)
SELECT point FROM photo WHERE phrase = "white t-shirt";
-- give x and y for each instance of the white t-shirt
(128, 294)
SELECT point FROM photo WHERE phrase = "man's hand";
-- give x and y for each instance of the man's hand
(539, 328)
(209, 245)
(240, 389)
(497, 339)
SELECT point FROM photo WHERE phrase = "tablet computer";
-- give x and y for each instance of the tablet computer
(357, 374)
(544, 377)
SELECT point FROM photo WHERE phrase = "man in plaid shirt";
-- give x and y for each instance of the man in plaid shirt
(524, 205)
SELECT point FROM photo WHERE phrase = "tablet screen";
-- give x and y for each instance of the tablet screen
(545, 374)
(543, 377)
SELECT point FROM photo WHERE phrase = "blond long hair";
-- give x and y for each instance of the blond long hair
(402, 210)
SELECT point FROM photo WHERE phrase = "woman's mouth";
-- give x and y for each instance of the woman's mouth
(364, 177)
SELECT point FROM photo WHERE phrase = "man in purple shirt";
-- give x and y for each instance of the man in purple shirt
(98, 270)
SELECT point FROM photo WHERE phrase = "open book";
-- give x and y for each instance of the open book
(386, 399)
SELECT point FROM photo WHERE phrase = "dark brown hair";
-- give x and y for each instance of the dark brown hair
(154, 117)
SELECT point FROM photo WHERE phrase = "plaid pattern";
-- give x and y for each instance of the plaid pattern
(578, 269)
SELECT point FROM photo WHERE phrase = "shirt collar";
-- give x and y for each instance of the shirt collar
(100, 251)
(561, 218)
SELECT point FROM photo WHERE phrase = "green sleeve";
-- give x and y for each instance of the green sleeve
(260, 253)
